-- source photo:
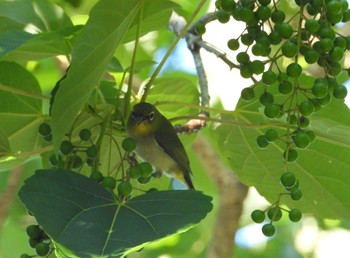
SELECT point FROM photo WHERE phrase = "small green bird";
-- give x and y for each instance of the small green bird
(158, 143)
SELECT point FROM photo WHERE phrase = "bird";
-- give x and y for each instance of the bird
(158, 143)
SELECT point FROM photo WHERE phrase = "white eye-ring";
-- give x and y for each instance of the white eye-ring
(151, 116)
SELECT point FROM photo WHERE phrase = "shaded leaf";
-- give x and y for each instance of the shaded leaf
(94, 48)
(68, 205)
(321, 168)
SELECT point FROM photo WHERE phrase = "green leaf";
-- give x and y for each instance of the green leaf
(93, 50)
(321, 168)
(39, 14)
(20, 115)
(174, 90)
(5, 149)
(68, 205)
(155, 16)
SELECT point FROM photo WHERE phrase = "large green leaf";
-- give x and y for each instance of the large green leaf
(322, 168)
(38, 14)
(85, 220)
(109, 21)
(19, 115)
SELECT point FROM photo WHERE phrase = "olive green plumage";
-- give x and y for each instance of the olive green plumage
(158, 143)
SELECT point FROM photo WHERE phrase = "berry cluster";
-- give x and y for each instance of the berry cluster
(38, 240)
(283, 46)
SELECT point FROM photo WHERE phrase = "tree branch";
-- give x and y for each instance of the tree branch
(232, 194)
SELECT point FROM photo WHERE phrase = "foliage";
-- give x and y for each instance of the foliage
(288, 136)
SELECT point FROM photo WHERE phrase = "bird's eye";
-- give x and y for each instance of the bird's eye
(151, 116)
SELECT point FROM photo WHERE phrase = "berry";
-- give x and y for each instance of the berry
(135, 172)
(66, 147)
(258, 49)
(311, 56)
(295, 215)
(288, 179)
(269, 77)
(92, 152)
(262, 142)
(272, 110)
(268, 230)
(109, 182)
(256, 66)
(301, 139)
(85, 134)
(285, 30)
(289, 49)
(33, 231)
(228, 5)
(266, 98)
(33, 242)
(285, 87)
(124, 188)
(233, 44)
(247, 39)
(129, 144)
(42, 249)
(143, 180)
(320, 88)
(222, 16)
(263, 13)
(274, 214)
(311, 135)
(312, 26)
(290, 155)
(25, 256)
(278, 16)
(245, 71)
(146, 169)
(304, 122)
(96, 176)
(44, 129)
(296, 194)
(53, 161)
(271, 135)
(247, 94)
(306, 108)
(77, 162)
(294, 70)
(200, 28)
(258, 216)
(340, 92)
(242, 58)
(326, 44)
(337, 54)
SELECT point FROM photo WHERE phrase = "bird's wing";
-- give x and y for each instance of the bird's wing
(173, 147)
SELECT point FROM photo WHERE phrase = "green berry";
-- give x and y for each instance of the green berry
(263, 13)
(306, 108)
(144, 180)
(289, 49)
(340, 92)
(53, 161)
(292, 119)
(92, 152)
(311, 56)
(326, 44)
(262, 142)
(233, 44)
(258, 49)
(42, 249)
(44, 129)
(109, 182)
(33, 231)
(242, 58)
(146, 169)
(124, 188)
(85, 134)
(312, 26)
(272, 110)
(256, 66)
(152, 190)
(285, 87)
(268, 230)
(285, 30)
(96, 176)
(296, 194)
(245, 71)
(278, 16)
(320, 88)
(274, 214)
(77, 162)
(294, 70)
(264, 2)
(290, 155)
(275, 37)
(271, 135)
(228, 5)
(334, 7)
(222, 16)
(247, 39)
(258, 216)
(266, 98)
(66, 147)
(33, 242)
(301, 139)
(288, 179)
(247, 94)
(269, 77)
(25, 256)
(129, 144)
(311, 135)
(200, 28)
(135, 172)
(337, 54)
(295, 215)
